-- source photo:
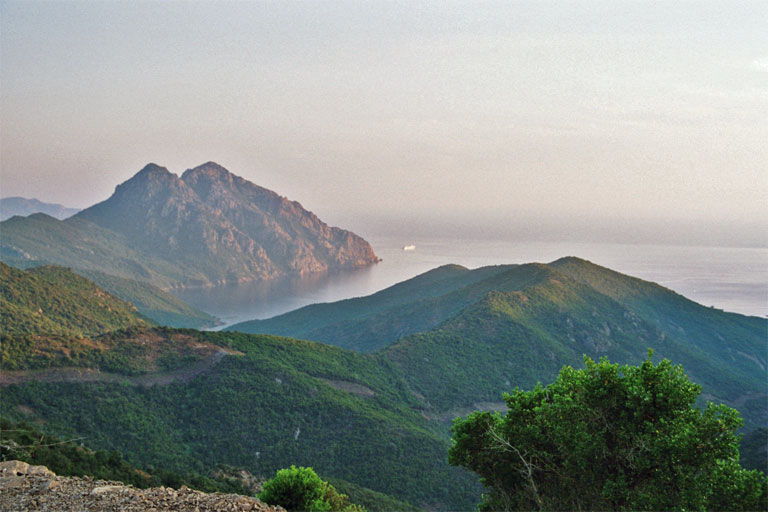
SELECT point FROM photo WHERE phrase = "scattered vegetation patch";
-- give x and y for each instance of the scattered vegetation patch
(131, 351)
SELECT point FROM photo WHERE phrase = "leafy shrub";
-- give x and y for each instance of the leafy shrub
(609, 437)
(301, 490)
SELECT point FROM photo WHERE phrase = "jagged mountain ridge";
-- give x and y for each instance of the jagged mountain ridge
(206, 227)
(210, 214)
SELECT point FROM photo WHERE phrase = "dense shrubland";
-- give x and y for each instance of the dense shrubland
(69, 457)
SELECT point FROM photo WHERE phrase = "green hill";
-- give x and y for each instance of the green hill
(78, 243)
(184, 399)
(520, 338)
(172, 399)
(737, 339)
(52, 317)
(370, 323)
(56, 301)
(283, 402)
(152, 302)
(104, 257)
(472, 334)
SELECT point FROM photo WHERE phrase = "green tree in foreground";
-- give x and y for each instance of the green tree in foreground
(609, 437)
(301, 490)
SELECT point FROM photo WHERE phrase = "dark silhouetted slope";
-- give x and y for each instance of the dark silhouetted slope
(754, 450)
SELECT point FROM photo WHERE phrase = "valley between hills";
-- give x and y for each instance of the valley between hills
(362, 390)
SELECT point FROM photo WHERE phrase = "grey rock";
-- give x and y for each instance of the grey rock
(26, 488)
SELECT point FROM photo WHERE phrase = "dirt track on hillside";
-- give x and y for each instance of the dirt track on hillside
(92, 375)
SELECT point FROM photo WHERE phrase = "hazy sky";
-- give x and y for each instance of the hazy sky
(582, 116)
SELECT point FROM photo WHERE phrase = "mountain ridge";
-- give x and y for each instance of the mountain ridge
(525, 336)
(204, 228)
(377, 419)
(536, 317)
(23, 206)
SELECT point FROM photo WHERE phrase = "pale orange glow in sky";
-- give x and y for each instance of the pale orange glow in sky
(527, 114)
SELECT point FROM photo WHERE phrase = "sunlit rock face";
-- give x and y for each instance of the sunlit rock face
(225, 227)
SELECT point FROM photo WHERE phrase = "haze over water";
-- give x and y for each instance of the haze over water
(611, 121)
(593, 121)
(732, 279)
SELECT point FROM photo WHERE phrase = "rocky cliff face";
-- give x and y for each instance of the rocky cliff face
(225, 227)
(27, 488)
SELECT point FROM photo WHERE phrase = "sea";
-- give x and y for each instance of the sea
(727, 278)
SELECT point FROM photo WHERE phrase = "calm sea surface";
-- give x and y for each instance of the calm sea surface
(733, 279)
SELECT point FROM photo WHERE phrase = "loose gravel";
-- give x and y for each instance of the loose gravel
(35, 488)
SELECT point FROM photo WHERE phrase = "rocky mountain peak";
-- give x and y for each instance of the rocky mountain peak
(224, 227)
(218, 187)
(211, 169)
(152, 170)
(209, 176)
(148, 182)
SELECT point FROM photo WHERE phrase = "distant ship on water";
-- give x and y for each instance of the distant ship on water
(409, 247)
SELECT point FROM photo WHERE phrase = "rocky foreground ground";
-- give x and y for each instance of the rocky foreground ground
(27, 488)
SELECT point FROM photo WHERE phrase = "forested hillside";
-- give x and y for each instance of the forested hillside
(154, 303)
(465, 336)
(183, 399)
(56, 301)
(283, 402)
(369, 323)
(519, 338)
